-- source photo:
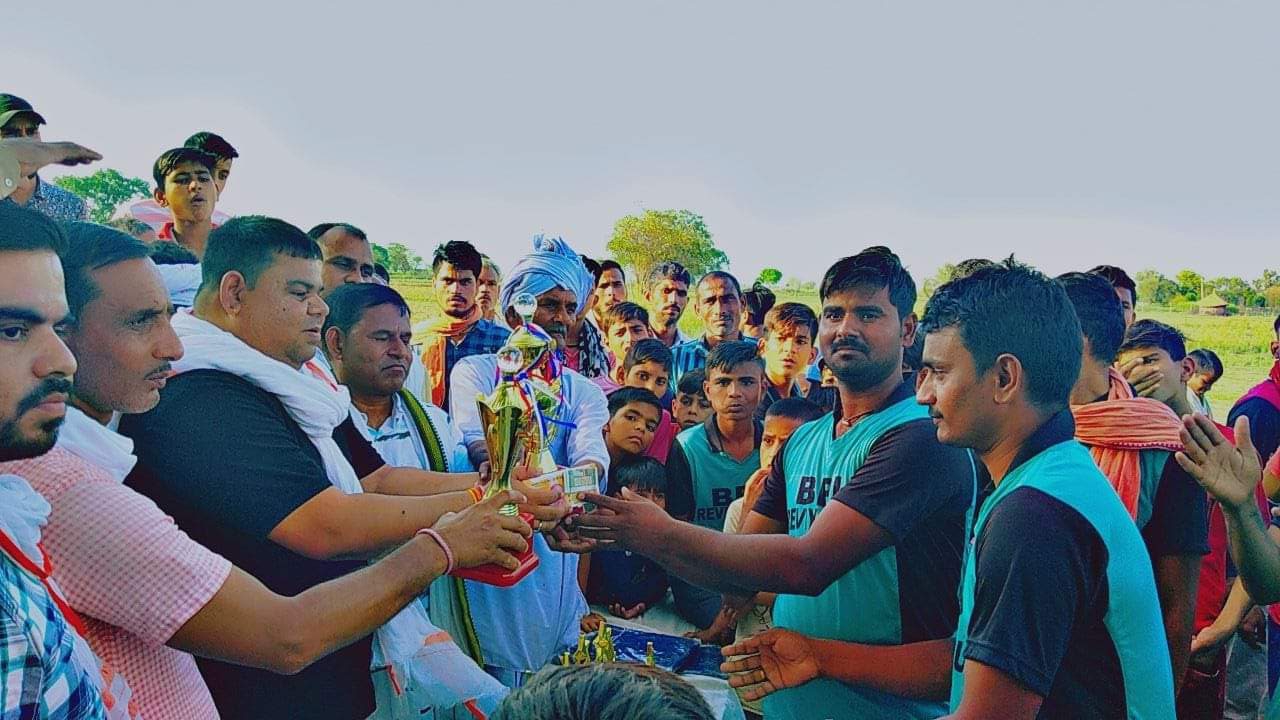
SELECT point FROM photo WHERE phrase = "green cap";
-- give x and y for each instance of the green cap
(12, 106)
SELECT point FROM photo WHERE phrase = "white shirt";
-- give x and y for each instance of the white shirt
(399, 443)
(1198, 404)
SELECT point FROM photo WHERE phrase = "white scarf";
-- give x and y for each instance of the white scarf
(96, 444)
(23, 512)
(318, 408)
(182, 282)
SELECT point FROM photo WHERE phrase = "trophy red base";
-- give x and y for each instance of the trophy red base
(498, 575)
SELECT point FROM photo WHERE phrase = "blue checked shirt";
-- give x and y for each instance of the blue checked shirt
(39, 678)
(57, 203)
(691, 356)
(484, 338)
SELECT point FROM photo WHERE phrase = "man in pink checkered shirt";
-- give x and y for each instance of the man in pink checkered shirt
(149, 594)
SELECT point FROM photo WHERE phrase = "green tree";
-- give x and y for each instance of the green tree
(1156, 288)
(1272, 296)
(1268, 278)
(642, 241)
(381, 255)
(939, 278)
(769, 276)
(1189, 284)
(104, 191)
(400, 259)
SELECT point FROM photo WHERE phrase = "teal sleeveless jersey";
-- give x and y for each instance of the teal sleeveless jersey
(717, 478)
(1066, 472)
(863, 605)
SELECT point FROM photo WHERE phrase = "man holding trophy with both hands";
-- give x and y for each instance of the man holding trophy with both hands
(532, 419)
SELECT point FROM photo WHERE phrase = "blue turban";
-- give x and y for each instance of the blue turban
(552, 264)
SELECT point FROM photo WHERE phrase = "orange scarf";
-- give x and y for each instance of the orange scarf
(439, 332)
(1116, 429)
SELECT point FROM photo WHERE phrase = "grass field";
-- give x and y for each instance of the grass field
(1241, 341)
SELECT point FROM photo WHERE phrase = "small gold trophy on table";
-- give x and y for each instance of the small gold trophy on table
(516, 425)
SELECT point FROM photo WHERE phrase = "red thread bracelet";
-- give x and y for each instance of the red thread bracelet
(476, 494)
(444, 547)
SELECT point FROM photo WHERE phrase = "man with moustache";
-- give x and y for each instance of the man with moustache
(460, 331)
(668, 294)
(487, 289)
(718, 301)
(862, 525)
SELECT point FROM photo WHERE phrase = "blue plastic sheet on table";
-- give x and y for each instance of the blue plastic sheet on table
(703, 660)
(669, 652)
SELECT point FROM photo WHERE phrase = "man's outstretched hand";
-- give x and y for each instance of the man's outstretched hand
(33, 154)
(630, 521)
(1229, 472)
(774, 660)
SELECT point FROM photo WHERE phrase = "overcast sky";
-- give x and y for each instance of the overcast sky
(1141, 134)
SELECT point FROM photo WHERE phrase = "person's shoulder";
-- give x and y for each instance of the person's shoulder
(916, 442)
(57, 471)
(1255, 408)
(1029, 516)
(695, 433)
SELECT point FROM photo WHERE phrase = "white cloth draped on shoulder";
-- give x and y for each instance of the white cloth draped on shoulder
(403, 646)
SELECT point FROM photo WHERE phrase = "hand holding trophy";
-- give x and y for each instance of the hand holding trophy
(517, 426)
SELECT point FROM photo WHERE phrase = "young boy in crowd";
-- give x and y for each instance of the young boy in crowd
(634, 414)
(648, 365)
(788, 349)
(625, 583)
(623, 324)
(691, 406)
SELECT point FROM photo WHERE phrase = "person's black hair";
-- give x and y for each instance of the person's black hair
(624, 396)
(721, 275)
(608, 691)
(728, 355)
(759, 301)
(1155, 334)
(791, 316)
(171, 159)
(1275, 326)
(1206, 358)
(132, 226)
(381, 271)
(1098, 311)
(690, 382)
(25, 230)
(610, 265)
(249, 244)
(637, 473)
(460, 254)
(625, 311)
(913, 356)
(878, 267)
(1013, 309)
(213, 144)
(92, 247)
(649, 350)
(795, 408)
(965, 268)
(349, 302)
(318, 231)
(593, 267)
(489, 263)
(669, 270)
(171, 253)
(1118, 279)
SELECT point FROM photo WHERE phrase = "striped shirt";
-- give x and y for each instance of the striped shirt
(691, 356)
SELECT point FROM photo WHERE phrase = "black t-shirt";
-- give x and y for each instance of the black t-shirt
(1179, 522)
(224, 458)
(1264, 424)
(918, 491)
(1040, 596)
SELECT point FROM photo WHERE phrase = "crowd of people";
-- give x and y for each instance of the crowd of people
(236, 475)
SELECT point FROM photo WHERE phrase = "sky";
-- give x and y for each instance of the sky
(1141, 134)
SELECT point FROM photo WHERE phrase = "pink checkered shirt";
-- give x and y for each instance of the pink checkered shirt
(132, 575)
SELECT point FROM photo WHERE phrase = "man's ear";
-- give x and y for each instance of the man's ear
(1010, 378)
(909, 326)
(1188, 367)
(231, 291)
(158, 195)
(333, 344)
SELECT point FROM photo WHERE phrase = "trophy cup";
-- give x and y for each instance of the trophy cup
(516, 426)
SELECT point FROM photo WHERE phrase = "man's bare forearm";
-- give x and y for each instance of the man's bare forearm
(1256, 557)
(737, 564)
(388, 480)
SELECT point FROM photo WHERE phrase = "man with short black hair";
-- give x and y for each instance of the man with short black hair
(667, 292)
(460, 331)
(19, 120)
(788, 348)
(623, 325)
(347, 255)
(184, 185)
(718, 301)
(1133, 440)
(865, 508)
(252, 451)
(40, 673)
(1126, 289)
(611, 288)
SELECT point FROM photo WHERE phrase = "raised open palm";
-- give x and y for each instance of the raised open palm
(1229, 472)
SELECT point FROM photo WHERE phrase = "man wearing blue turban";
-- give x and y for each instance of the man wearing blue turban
(522, 628)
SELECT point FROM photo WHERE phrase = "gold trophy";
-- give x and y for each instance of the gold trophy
(517, 430)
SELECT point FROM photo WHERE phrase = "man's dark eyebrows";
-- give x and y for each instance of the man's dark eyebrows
(145, 314)
(27, 315)
(869, 308)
